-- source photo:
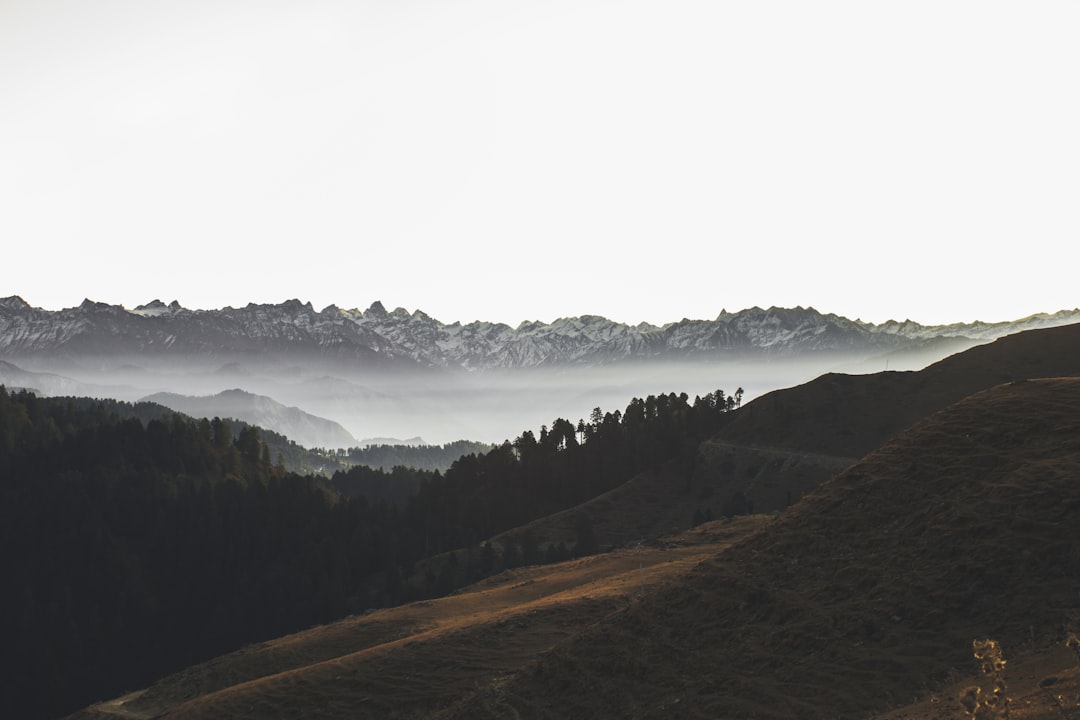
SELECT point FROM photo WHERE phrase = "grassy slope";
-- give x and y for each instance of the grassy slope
(864, 596)
(414, 660)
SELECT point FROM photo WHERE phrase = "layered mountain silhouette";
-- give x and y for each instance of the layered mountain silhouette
(301, 427)
(379, 339)
(402, 374)
(52, 384)
(927, 510)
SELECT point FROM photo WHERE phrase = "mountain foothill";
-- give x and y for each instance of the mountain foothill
(829, 549)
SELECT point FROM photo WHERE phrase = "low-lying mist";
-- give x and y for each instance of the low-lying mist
(442, 406)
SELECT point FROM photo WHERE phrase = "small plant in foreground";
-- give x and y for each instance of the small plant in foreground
(995, 704)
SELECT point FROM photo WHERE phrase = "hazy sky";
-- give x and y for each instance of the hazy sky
(508, 160)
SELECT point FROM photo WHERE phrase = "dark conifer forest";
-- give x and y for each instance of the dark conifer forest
(135, 541)
(420, 457)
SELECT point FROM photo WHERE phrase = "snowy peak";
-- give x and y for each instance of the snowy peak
(375, 312)
(14, 303)
(294, 330)
(156, 308)
(89, 305)
(978, 330)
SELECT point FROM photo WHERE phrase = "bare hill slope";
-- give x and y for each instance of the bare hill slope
(850, 415)
(783, 444)
(415, 660)
(862, 597)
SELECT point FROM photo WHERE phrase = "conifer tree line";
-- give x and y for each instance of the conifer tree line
(419, 457)
(135, 541)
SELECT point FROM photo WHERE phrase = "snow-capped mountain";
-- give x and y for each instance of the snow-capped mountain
(980, 331)
(94, 330)
(380, 339)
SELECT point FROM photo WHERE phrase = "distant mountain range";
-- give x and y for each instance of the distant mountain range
(373, 373)
(398, 339)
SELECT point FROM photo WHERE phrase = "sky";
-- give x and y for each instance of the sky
(507, 161)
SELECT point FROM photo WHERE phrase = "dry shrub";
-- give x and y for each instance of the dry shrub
(994, 705)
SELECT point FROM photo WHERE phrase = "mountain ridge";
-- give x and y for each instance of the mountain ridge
(302, 427)
(400, 338)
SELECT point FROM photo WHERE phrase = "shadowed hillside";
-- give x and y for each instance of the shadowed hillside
(850, 415)
(783, 444)
(865, 595)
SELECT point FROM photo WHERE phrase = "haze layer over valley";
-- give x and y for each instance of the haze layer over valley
(334, 378)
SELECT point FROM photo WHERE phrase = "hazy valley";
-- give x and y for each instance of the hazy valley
(346, 377)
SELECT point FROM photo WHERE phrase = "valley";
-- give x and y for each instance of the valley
(334, 378)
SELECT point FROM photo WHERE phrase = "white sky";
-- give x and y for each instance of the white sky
(504, 160)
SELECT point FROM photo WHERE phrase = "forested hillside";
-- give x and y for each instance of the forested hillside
(420, 457)
(133, 547)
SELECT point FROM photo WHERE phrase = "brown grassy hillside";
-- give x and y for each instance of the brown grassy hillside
(412, 661)
(863, 597)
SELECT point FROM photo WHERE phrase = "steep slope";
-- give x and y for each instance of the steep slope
(843, 417)
(301, 427)
(849, 415)
(867, 593)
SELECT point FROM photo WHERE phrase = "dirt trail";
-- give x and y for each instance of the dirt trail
(120, 707)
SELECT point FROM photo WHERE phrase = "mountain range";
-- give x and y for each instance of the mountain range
(381, 339)
(399, 374)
